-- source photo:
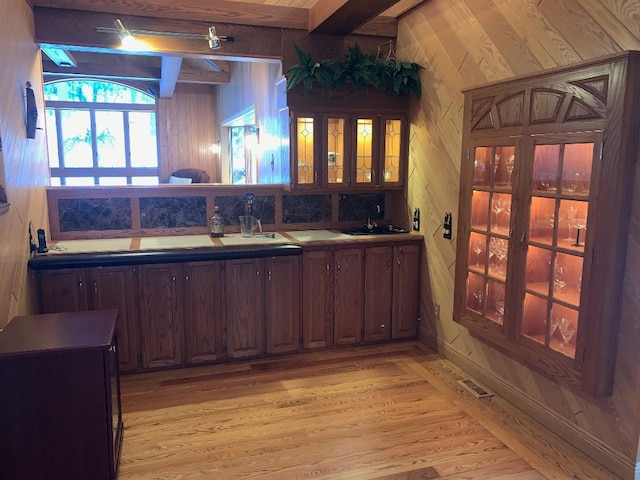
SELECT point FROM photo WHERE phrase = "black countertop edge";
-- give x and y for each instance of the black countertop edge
(140, 257)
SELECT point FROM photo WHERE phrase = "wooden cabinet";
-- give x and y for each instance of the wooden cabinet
(317, 298)
(244, 307)
(203, 312)
(360, 294)
(378, 292)
(348, 296)
(62, 290)
(406, 290)
(348, 142)
(114, 287)
(282, 304)
(60, 399)
(99, 288)
(544, 216)
(160, 322)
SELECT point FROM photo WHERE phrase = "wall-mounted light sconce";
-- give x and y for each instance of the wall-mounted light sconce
(128, 36)
(31, 111)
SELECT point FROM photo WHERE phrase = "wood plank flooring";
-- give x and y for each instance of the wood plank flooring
(385, 412)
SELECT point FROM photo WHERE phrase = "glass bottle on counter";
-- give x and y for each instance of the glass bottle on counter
(217, 223)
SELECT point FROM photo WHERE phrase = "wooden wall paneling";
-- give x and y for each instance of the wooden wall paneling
(25, 171)
(457, 43)
(187, 130)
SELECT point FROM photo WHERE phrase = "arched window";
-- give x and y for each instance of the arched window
(100, 133)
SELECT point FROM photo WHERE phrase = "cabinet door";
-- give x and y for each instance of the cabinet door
(378, 283)
(406, 290)
(203, 315)
(113, 287)
(244, 322)
(365, 152)
(336, 153)
(393, 150)
(317, 298)
(282, 304)
(160, 335)
(62, 290)
(348, 311)
(305, 135)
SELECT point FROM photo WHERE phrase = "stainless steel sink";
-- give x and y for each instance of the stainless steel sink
(374, 231)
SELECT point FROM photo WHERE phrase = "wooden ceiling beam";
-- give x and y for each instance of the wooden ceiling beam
(342, 17)
(76, 31)
(169, 75)
(132, 73)
(210, 11)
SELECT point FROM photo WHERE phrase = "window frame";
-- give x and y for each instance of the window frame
(95, 171)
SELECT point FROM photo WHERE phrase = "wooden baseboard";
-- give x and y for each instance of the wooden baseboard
(610, 458)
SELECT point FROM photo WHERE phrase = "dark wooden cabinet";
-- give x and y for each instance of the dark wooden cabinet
(548, 170)
(99, 288)
(282, 304)
(160, 322)
(406, 291)
(62, 290)
(60, 398)
(114, 287)
(378, 293)
(244, 307)
(317, 298)
(347, 142)
(203, 311)
(348, 296)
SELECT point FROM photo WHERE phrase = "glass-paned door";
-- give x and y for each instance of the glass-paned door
(558, 221)
(392, 151)
(488, 249)
(334, 158)
(305, 149)
(365, 145)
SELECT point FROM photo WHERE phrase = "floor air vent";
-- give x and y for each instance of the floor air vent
(475, 389)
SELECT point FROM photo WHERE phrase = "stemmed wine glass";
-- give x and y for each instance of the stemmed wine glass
(510, 165)
(479, 296)
(497, 206)
(500, 308)
(559, 278)
(579, 222)
(567, 330)
(478, 247)
(571, 221)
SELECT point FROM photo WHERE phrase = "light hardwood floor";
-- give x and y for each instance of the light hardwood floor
(385, 412)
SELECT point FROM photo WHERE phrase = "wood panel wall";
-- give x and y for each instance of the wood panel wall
(464, 43)
(25, 171)
(253, 84)
(188, 130)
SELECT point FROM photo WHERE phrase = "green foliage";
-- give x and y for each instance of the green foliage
(358, 69)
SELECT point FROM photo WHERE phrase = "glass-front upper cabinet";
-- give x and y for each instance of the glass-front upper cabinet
(351, 141)
(305, 171)
(544, 217)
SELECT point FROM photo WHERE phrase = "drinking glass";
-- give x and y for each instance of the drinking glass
(510, 165)
(559, 278)
(497, 206)
(580, 223)
(500, 308)
(478, 247)
(479, 296)
(567, 330)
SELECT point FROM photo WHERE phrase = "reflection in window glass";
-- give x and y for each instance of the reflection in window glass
(76, 138)
(80, 181)
(142, 138)
(110, 139)
(144, 181)
(92, 143)
(52, 129)
(112, 181)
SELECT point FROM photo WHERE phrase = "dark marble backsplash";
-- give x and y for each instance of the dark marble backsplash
(264, 208)
(173, 212)
(306, 208)
(101, 214)
(83, 214)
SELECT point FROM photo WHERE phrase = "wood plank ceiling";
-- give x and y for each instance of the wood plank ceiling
(69, 26)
